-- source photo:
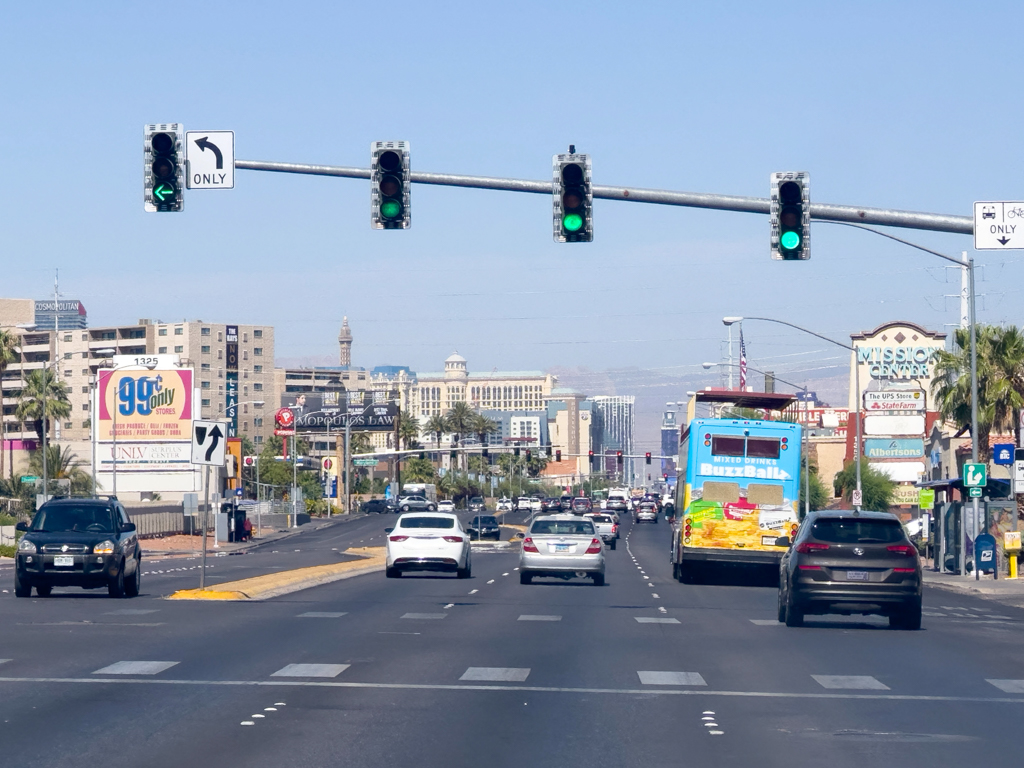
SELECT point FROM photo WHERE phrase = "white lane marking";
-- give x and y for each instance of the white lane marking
(256, 716)
(655, 595)
(538, 617)
(707, 712)
(651, 620)
(716, 733)
(1008, 686)
(708, 717)
(473, 591)
(491, 581)
(497, 674)
(424, 615)
(322, 614)
(310, 670)
(247, 722)
(270, 709)
(993, 616)
(398, 633)
(504, 574)
(710, 725)
(278, 703)
(663, 610)
(136, 668)
(450, 605)
(932, 613)
(765, 622)
(671, 678)
(853, 682)
(131, 611)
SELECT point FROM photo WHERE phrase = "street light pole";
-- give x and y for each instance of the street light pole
(856, 386)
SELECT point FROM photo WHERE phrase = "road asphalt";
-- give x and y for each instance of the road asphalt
(431, 671)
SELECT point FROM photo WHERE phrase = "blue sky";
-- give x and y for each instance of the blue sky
(905, 105)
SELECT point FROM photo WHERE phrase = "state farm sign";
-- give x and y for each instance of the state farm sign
(911, 400)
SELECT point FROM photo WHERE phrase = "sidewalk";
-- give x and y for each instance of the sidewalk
(1006, 591)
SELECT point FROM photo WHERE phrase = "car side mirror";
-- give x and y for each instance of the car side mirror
(127, 527)
(388, 530)
(22, 526)
(782, 541)
(519, 535)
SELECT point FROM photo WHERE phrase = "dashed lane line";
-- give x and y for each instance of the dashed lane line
(850, 682)
(136, 668)
(309, 670)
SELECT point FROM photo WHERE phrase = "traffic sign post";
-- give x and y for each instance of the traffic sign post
(975, 476)
(210, 156)
(209, 440)
(858, 498)
(998, 226)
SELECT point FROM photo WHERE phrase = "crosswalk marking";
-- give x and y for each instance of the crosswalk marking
(650, 620)
(856, 682)
(497, 674)
(671, 678)
(311, 670)
(1008, 686)
(322, 614)
(4, 661)
(531, 617)
(424, 615)
(136, 668)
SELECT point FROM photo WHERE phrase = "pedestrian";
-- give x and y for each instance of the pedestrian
(247, 527)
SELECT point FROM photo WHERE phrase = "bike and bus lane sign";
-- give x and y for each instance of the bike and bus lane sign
(998, 226)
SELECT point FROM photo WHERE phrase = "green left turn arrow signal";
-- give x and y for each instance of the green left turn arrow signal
(163, 192)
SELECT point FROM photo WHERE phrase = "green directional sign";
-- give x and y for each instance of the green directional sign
(975, 475)
(364, 462)
(975, 493)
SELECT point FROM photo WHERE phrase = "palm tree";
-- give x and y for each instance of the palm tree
(436, 425)
(483, 427)
(41, 386)
(460, 419)
(62, 464)
(408, 430)
(1000, 353)
(8, 345)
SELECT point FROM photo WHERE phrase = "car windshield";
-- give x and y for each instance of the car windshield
(427, 522)
(476, 500)
(851, 531)
(486, 520)
(601, 519)
(415, 498)
(563, 527)
(66, 517)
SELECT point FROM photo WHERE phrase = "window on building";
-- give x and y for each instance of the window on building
(245, 389)
(86, 424)
(257, 387)
(258, 405)
(220, 354)
(179, 348)
(257, 351)
(85, 390)
(205, 385)
(258, 333)
(206, 402)
(258, 422)
(179, 331)
(205, 349)
(204, 332)
(67, 374)
(161, 350)
(204, 366)
(258, 439)
(245, 373)
(85, 406)
(245, 408)
(245, 337)
(67, 425)
(257, 369)
(220, 373)
(85, 371)
(85, 337)
(85, 355)
(67, 355)
(245, 354)
(161, 332)
(220, 336)
(67, 337)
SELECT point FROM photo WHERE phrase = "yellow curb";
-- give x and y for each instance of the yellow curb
(285, 582)
(514, 527)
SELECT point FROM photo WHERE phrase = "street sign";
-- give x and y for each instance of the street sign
(901, 400)
(284, 421)
(209, 441)
(210, 156)
(1018, 471)
(327, 463)
(858, 498)
(998, 226)
(926, 498)
(975, 475)
(974, 493)
(365, 462)
(1002, 453)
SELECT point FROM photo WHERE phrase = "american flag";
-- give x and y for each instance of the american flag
(743, 362)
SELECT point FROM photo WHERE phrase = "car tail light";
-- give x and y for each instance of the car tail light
(810, 546)
(615, 528)
(809, 567)
(453, 539)
(397, 538)
(902, 549)
(529, 546)
(595, 547)
(904, 570)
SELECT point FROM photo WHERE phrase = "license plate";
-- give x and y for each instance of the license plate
(768, 541)
(858, 576)
(63, 560)
(562, 547)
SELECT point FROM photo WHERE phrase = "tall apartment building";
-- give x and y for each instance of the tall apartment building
(78, 354)
(613, 430)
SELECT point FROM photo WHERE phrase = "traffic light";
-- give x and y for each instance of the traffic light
(618, 458)
(647, 458)
(163, 173)
(486, 453)
(591, 454)
(529, 454)
(389, 184)
(558, 456)
(423, 455)
(516, 451)
(791, 216)
(573, 198)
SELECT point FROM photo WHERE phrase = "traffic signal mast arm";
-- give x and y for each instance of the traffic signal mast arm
(935, 222)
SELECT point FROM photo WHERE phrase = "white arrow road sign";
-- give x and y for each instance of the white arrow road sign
(998, 226)
(209, 439)
(210, 156)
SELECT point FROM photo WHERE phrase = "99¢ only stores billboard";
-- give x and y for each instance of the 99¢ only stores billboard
(151, 406)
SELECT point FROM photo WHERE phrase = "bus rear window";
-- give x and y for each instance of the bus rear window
(763, 447)
(727, 445)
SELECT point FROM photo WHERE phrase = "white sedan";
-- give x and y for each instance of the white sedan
(446, 505)
(427, 541)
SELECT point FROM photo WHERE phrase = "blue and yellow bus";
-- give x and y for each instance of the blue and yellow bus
(742, 485)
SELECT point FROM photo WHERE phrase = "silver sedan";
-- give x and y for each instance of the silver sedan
(563, 546)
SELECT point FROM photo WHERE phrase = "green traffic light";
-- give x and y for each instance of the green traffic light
(790, 240)
(390, 209)
(572, 222)
(163, 192)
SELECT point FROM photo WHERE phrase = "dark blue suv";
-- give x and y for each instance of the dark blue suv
(87, 543)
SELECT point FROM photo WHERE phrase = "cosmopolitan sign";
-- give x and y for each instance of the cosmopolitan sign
(373, 418)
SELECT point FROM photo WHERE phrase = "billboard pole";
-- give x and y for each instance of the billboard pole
(206, 523)
(348, 466)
